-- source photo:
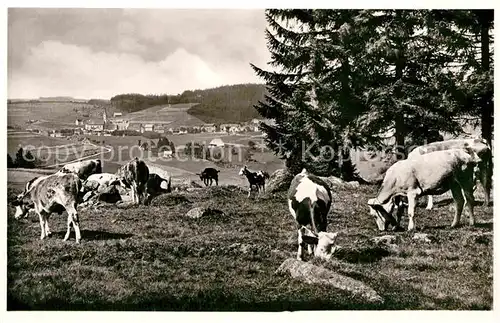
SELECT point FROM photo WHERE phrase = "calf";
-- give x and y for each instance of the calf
(48, 194)
(209, 174)
(134, 175)
(157, 185)
(432, 173)
(309, 200)
(479, 146)
(256, 180)
(83, 169)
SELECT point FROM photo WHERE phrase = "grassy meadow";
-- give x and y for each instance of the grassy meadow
(155, 258)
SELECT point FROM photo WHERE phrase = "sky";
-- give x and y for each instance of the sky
(99, 53)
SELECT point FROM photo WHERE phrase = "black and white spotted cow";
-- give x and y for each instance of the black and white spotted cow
(309, 200)
(49, 194)
(256, 180)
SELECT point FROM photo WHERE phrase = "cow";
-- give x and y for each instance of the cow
(309, 200)
(209, 174)
(479, 146)
(49, 194)
(97, 182)
(157, 185)
(134, 175)
(256, 180)
(431, 173)
(83, 169)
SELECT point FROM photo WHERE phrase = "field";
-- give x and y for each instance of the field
(155, 258)
(51, 115)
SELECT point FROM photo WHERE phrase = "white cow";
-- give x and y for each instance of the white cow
(432, 173)
(309, 200)
(479, 146)
(100, 181)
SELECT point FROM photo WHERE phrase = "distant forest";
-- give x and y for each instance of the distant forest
(231, 103)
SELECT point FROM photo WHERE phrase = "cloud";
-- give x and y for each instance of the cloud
(104, 52)
(54, 68)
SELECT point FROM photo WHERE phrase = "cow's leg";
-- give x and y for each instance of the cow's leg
(135, 198)
(249, 191)
(468, 192)
(68, 228)
(47, 229)
(485, 179)
(430, 203)
(412, 197)
(301, 245)
(42, 225)
(217, 182)
(73, 218)
(458, 196)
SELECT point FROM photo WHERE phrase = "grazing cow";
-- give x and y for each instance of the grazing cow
(48, 194)
(479, 146)
(134, 175)
(209, 174)
(309, 200)
(256, 180)
(157, 185)
(82, 168)
(432, 173)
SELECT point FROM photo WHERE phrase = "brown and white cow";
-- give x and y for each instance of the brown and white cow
(48, 194)
(309, 200)
(431, 173)
(134, 175)
(479, 146)
(83, 169)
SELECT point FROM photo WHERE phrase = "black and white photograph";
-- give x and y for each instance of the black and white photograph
(249, 160)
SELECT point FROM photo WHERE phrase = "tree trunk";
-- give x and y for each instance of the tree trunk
(399, 116)
(486, 102)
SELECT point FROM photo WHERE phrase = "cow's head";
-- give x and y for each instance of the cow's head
(323, 242)
(243, 171)
(23, 205)
(382, 213)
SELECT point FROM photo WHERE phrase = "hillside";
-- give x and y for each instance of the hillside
(233, 103)
(224, 104)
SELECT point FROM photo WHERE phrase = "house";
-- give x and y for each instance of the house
(216, 142)
(78, 122)
(94, 125)
(159, 128)
(183, 130)
(229, 127)
(135, 127)
(110, 127)
(56, 134)
(234, 129)
(147, 127)
(117, 114)
(167, 153)
(208, 127)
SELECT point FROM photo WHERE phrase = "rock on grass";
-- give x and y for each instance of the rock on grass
(312, 274)
(199, 212)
